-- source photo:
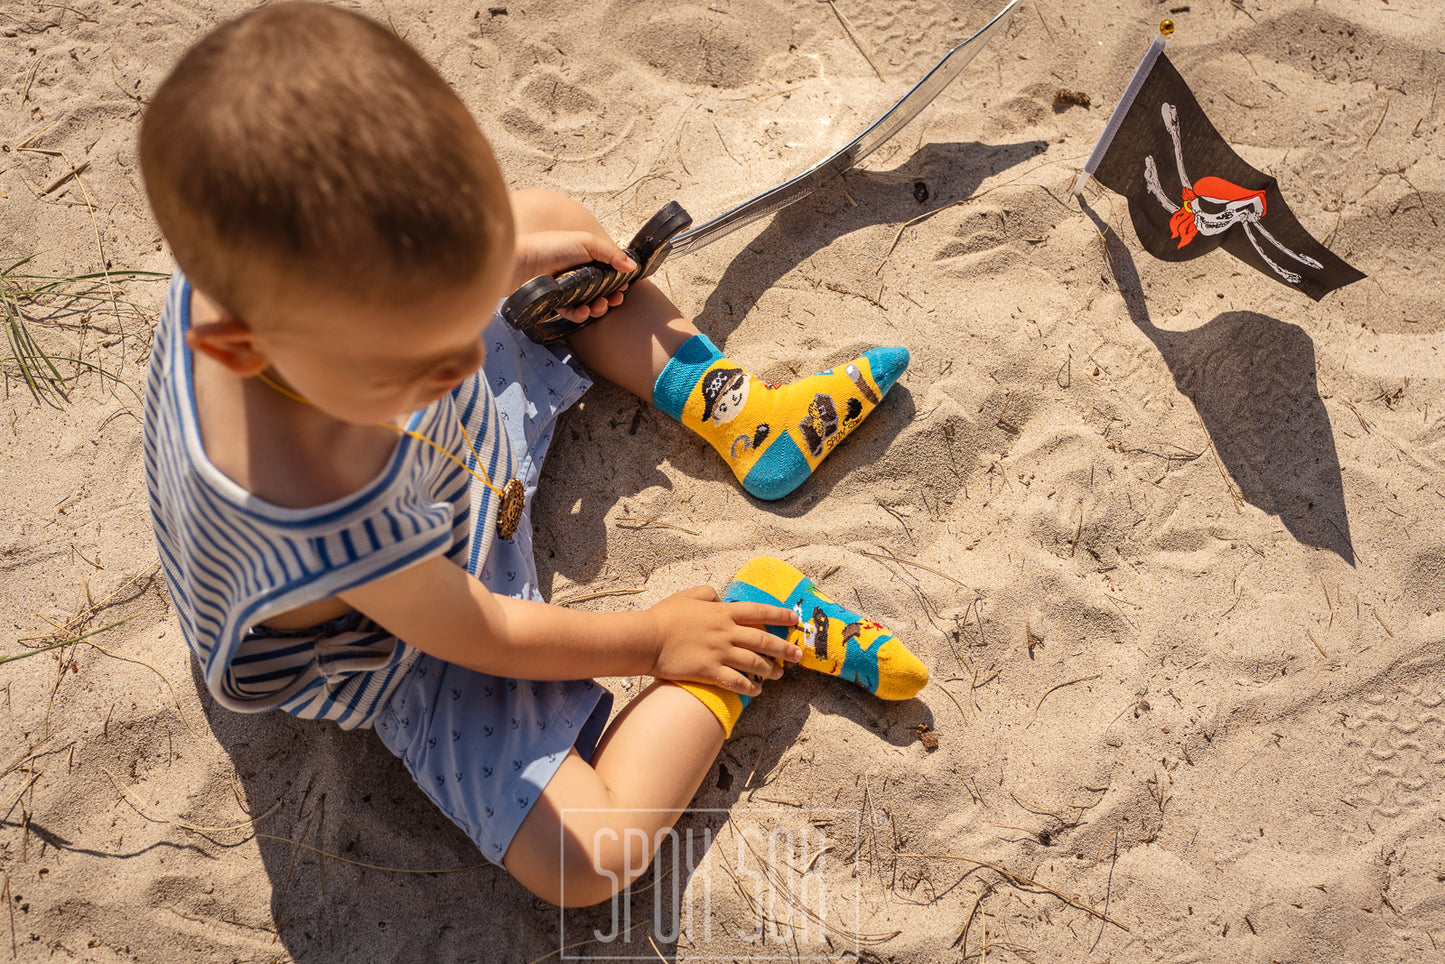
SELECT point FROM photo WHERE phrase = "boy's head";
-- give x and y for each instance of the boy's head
(304, 148)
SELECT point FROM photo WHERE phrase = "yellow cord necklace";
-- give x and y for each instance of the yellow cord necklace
(513, 497)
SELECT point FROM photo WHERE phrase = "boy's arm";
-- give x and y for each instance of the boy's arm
(439, 608)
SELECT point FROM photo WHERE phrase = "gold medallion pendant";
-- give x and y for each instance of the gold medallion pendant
(509, 511)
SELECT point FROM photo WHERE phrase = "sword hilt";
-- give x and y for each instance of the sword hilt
(532, 309)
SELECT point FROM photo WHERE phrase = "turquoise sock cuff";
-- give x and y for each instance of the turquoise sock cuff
(682, 373)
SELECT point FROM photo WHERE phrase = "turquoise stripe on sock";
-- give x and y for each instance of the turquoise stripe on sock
(780, 470)
(859, 665)
(682, 373)
(862, 667)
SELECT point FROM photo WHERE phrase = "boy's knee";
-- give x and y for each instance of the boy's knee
(589, 872)
(538, 209)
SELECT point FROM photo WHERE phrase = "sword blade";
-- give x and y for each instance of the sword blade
(878, 133)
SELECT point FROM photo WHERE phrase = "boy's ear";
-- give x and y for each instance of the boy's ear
(229, 342)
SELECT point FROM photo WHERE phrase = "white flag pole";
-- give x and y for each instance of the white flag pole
(1116, 119)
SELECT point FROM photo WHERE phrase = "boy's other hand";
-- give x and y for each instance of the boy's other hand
(549, 252)
(702, 640)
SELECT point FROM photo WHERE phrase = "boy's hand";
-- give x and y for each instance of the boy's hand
(548, 252)
(702, 640)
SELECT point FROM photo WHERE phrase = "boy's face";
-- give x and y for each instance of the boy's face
(365, 362)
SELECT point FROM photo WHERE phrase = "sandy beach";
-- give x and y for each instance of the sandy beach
(1170, 537)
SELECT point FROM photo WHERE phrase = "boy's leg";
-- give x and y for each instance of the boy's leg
(771, 436)
(641, 334)
(594, 828)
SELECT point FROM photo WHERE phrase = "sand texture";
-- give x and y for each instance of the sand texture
(1170, 537)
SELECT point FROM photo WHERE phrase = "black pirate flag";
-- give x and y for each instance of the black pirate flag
(1189, 193)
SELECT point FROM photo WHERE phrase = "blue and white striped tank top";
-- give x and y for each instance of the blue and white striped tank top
(232, 559)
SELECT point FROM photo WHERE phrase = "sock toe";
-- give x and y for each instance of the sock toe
(901, 674)
(887, 365)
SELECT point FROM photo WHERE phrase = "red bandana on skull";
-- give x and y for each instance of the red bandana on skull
(1212, 206)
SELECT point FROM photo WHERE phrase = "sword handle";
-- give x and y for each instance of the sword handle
(532, 308)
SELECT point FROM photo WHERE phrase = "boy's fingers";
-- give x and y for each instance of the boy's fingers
(765, 668)
(738, 683)
(705, 593)
(770, 645)
(758, 614)
(605, 249)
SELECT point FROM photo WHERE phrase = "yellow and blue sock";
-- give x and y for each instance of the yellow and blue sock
(772, 436)
(834, 640)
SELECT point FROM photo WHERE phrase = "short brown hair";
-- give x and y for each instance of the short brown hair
(308, 140)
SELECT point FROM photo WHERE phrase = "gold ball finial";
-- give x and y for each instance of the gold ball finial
(1166, 27)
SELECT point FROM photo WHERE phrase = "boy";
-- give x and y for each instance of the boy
(324, 459)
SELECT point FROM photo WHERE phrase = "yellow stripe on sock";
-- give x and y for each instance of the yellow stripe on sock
(726, 705)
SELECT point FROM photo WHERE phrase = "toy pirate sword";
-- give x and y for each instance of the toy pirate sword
(532, 308)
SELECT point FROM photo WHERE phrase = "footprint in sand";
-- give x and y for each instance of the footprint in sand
(561, 113)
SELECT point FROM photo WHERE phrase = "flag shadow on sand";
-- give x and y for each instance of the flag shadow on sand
(1252, 380)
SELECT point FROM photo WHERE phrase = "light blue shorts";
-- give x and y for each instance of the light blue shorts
(483, 747)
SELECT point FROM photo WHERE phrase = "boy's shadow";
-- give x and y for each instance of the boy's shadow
(362, 866)
(572, 507)
(1252, 380)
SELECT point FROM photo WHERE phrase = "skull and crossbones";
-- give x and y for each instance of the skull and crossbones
(1213, 205)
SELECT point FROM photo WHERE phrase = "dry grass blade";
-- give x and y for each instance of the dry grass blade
(62, 298)
(64, 642)
(956, 703)
(10, 906)
(601, 593)
(782, 886)
(247, 824)
(1024, 881)
(654, 523)
(890, 557)
(26, 353)
(250, 823)
(15, 797)
(848, 28)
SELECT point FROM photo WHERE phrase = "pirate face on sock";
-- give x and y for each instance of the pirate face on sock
(724, 393)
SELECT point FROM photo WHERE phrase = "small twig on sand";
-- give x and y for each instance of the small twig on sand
(854, 37)
(1387, 630)
(894, 513)
(10, 906)
(962, 941)
(1108, 892)
(1060, 686)
(654, 523)
(1235, 494)
(1378, 122)
(955, 701)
